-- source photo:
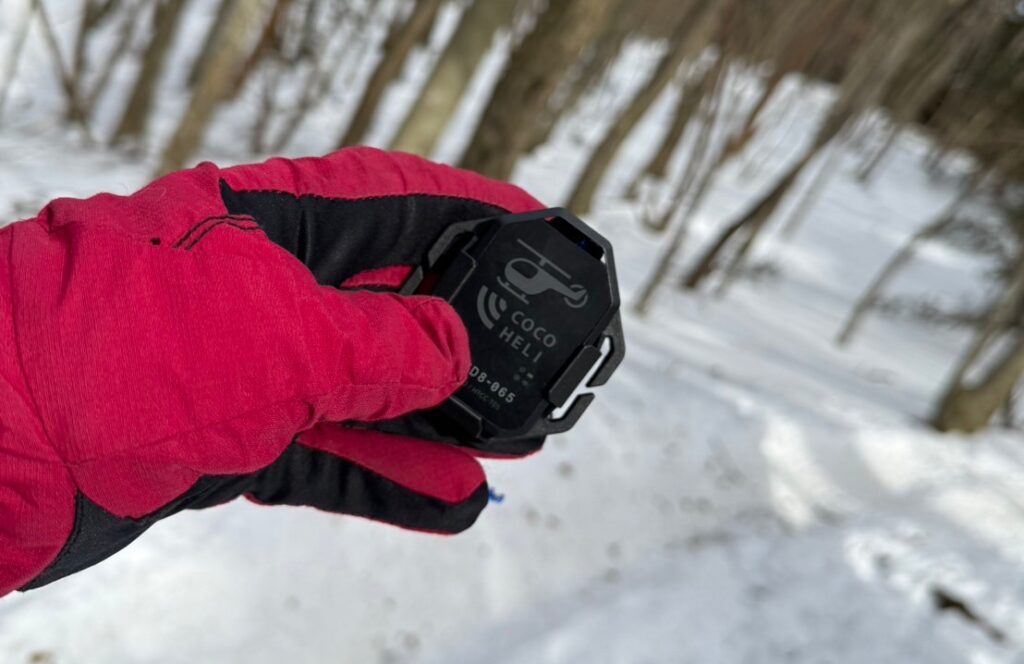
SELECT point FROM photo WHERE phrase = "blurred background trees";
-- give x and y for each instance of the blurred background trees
(951, 70)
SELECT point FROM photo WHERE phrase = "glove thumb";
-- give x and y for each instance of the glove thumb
(386, 355)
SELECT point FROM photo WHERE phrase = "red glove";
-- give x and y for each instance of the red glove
(188, 344)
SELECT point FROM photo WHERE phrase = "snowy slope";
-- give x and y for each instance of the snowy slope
(740, 492)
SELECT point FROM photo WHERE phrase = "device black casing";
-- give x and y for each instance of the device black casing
(539, 297)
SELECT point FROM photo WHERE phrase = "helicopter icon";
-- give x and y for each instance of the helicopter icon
(526, 276)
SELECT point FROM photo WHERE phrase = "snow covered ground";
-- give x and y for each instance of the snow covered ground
(741, 491)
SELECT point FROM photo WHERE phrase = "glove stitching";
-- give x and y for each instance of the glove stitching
(190, 231)
(217, 224)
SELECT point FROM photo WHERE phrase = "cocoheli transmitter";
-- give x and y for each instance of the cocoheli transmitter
(539, 298)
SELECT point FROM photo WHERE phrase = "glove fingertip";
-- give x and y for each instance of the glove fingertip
(413, 484)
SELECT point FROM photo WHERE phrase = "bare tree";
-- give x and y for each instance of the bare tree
(964, 26)
(137, 111)
(702, 158)
(400, 41)
(899, 30)
(343, 37)
(601, 52)
(748, 225)
(452, 74)
(970, 407)
(20, 32)
(788, 48)
(265, 45)
(625, 20)
(115, 54)
(93, 14)
(810, 196)
(530, 77)
(213, 84)
(69, 85)
(869, 299)
(693, 91)
(214, 38)
(695, 31)
(794, 39)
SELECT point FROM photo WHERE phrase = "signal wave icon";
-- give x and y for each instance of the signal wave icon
(490, 306)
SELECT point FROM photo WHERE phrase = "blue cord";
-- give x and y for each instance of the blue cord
(495, 497)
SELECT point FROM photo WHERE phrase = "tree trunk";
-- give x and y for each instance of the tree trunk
(869, 299)
(689, 101)
(749, 223)
(14, 54)
(686, 42)
(213, 84)
(970, 409)
(452, 74)
(925, 75)
(701, 165)
(760, 216)
(87, 19)
(324, 66)
(585, 73)
(1009, 410)
(867, 168)
(400, 42)
(870, 296)
(872, 68)
(782, 116)
(214, 37)
(662, 268)
(801, 41)
(135, 117)
(531, 76)
(605, 48)
(265, 45)
(814, 190)
(999, 315)
(117, 51)
(92, 14)
(266, 110)
(74, 111)
(711, 118)
(741, 138)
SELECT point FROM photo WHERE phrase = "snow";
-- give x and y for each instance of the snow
(742, 491)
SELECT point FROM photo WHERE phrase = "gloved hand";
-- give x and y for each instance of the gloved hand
(217, 334)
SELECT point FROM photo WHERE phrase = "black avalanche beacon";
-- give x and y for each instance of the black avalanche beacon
(539, 298)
